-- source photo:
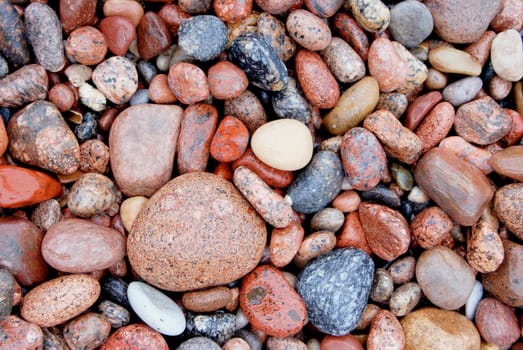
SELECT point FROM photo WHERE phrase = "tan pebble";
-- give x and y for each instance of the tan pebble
(92, 98)
(499, 88)
(116, 78)
(506, 55)
(130, 208)
(92, 194)
(78, 74)
(405, 298)
(207, 300)
(403, 270)
(436, 80)
(347, 201)
(308, 30)
(484, 248)
(385, 332)
(313, 245)
(330, 219)
(450, 60)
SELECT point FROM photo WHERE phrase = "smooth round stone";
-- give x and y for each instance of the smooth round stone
(218, 327)
(387, 65)
(230, 140)
(285, 243)
(385, 332)
(308, 30)
(462, 91)
(354, 105)
(152, 36)
(159, 91)
(345, 342)
(335, 288)
(207, 300)
(236, 343)
(197, 258)
(430, 227)
(130, 208)
(372, 15)
(431, 328)
(156, 309)
(226, 80)
(382, 286)
(188, 83)
(347, 201)
(405, 298)
(509, 162)
(290, 103)
(275, 34)
(44, 31)
(289, 343)
(117, 315)
(136, 337)
(318, 184)
(313, 245)
(343, 61)
(60, 299)
(119, 32)
(275, 7)
(77, 13)
(323, 8)
(80, 246)
(329, 219)
(63, 97)
(284, 144)
(137, 133)
(508, 206)
(13, 43)
(202, 37)
(140, 97)
(450, 60)
(116, 78)
(504, 283)
(478, 157)
(86, 45)
(248, 108)
(18, 334)
(445, 278)
(462, 21)
(499, 88)
(402, 270)
(199, 343)
(507, 17)
(497, 323)
(78, 74)
(91, 194)
(506, 55)
(87, 331)
(410, 23)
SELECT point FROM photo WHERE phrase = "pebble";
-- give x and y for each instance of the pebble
(91, 194)
(94, 156)
(417, 71)
(330, 219)
(44, 32)
(53, 339)
(398, 141)
(343, 61)
(462, 21)
(363, 158)
(18, 334)
(141, 96)
(405, 298)
(387, 65)
(444, 277)
(507, 162)
(346, 342)
(506, 55)
(23, 86)
(137, 337)
(116, 78)
(87, 128)
(499, 88)
(218, 327)
(308, 30)
(156, 309)
(4, 68)
(347, 201)
(207, 300)
(7, 291)
(472, 302)
(137, 133)
(285, 243)
(269, 204)
(119, 32)
(482, 121)
(159, 90)
(382, 286)
(188, 83)
(248, 108)
(507, 17)
(152, 36)
(198, 343)
(290, 103)
(516, 131)
(462, 91)
(314, 245)
(335, 288)
(318, 184)
(77, 13)
(354, 105)
(63, 96)
(462, 196)
(275, 34)
(429, 328)
(393, 102)
(22, 187)
(284, 144)
(230, 140)
(450, 60)
(276, 7)
(372, 15)
(86, 45)
(232, 11)
(117, 315)
(382, 194)
(288, 343)
(14, 45)
(232, 253)
(115, 289)
(402, 270)
(402, 176)
(370, 311)
(323, 8)
(385, 332)
(81, 246)
(478, 157)
(484, 248)
(418, 109)
(497, 323)
(87, 331)
(410, 23)
(78, 74)
(352, 33)
(60, 299)
(430, 227)
(203, 37)
(226, 80)
(129, 210)
(352, 234)
(316, 80)
(270, 303)
(480, 49)
(507, 205)
(236, 344)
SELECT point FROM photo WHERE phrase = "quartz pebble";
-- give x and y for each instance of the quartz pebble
(87, 331)
(91, 194)
(507, 55)
(137, 337)
(19, 334)
(129, 210)
(474, 298)
(91, 97)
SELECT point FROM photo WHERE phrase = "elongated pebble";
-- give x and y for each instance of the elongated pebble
(473, 300)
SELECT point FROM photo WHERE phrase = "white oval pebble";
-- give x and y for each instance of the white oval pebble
(506, 55)
(284, 144)
(156, 309)
(91, 97)
(473, 300)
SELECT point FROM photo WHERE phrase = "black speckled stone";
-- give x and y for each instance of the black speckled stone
(260, 62)
(115, 289)
(13, 45)
(335, 288)
(382, 194)
(318, 184)
(203, 37)
(87, 129)
(290, 103)
(218, 327)
(7, 291)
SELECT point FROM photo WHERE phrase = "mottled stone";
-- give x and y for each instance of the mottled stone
(417, 71)
(77, 13)
(387, 65)
(116, 78)
(410, 23)
(152, 36)
(91, 194)
(18, 334)
(137, 133)
(405, 298)
(436, 125)
(203, 37)
(385, 332)
(288, 343)
(335, 288)
(343, 61)
(226, 80)
(291, 103)
(308, 30)
(217, 327)
(248, 108)
(87, 332)
(285, 243)
(137, 337)
(198, 343)
(275, 34)
(508, 206)
(507, 16)
(188, 83)
(314, 245)
(393, 102)
(430, 227)
(330, 219)
(497, 323)
(230, 140)
(484, 248)
(23, 86)
(382, 286)
(372, 15)
(13, 43)
(117, 315)
(86, 45)
(7, 292)
(92, 98)
(119, 32)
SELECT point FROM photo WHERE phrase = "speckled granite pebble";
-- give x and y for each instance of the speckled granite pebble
(13, 43)
(218, 327)
(116, 78)
(91, 194)
(18, 334)
(23, 86)
(410, 23)
(136, 337)
(7, 291)
(291, 103)
(87, 332)
(202, 37)
(117, 315)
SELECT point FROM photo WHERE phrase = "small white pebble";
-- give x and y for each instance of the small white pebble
(241, 319)
(473, 300)
(416, 195)
(92, 98)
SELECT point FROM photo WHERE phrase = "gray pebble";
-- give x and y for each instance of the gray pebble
(117, 315)
(462, 91)
(403, 270)
(290, 103)
(218, 327)
(382, 194)
(4, 68)
(147, 71)
(410, 23)
(382, 287)
(198, 343)
(330, 219)
(13, 45)
(140, 97)
(46, 214)
(203, 37)
(393, 102)
(7, 292)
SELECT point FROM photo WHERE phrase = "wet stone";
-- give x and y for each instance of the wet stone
(115, 290)
(202, 37)
(218, 327)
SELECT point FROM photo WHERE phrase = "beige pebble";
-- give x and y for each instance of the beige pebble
(451, 60)
(499, 88)
(403, 270)
(78, 74)
(313, 245)
(236, 344)
(130, 208)
(485, 251)
(436, 80)
(506, 55)
(405, 298)
(92, 194)
(92, 97)
(207, 300)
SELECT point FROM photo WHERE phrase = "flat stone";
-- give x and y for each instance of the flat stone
(410, 23)
(137, 133)
(135, 336)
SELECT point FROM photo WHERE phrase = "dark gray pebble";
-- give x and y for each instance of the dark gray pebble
(140, 97)
(382, 194)
(117, 315)
(115, 289)
(291, 104)
(13, 45)
(7, 292)
(147, 71)
(203, 37)
(218, 327)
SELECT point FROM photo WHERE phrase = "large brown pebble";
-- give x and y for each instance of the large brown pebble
(138, 132)
(87, 332)
(351, 32)
(91, 194)
(119, 32)
(431, 328)
(484, 248)
(459, 188)
(129, 9)
(80, 246)
(482, 121)
(18, 334)
(188, 83)
(508, 205)
(116, 78)
(207, 300)
(86, 45)
(308, 30)
(398, 141)
(152, 36)
(197, 258)
(387, 65)
(226, 80)
(354, 105)
(77, 13)
(60, 299)
(23, 86)
(430, 227)
(20, 242)
(136, 337)
(479, 157)
(173, 16)
(317, 82)
(196, 131)
(285, 243)
(343, 61)
(385, 332)
(444, 277)
(497, 323)
(386, 230)
(509, 162)
(505, 283)
(94, 156)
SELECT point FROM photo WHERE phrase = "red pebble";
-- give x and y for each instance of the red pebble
(153, 36)
(119, 32)
(135, 337)
(173, 16)
(226, 80)
(230, 141)
(188, 83)
(272, 177)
